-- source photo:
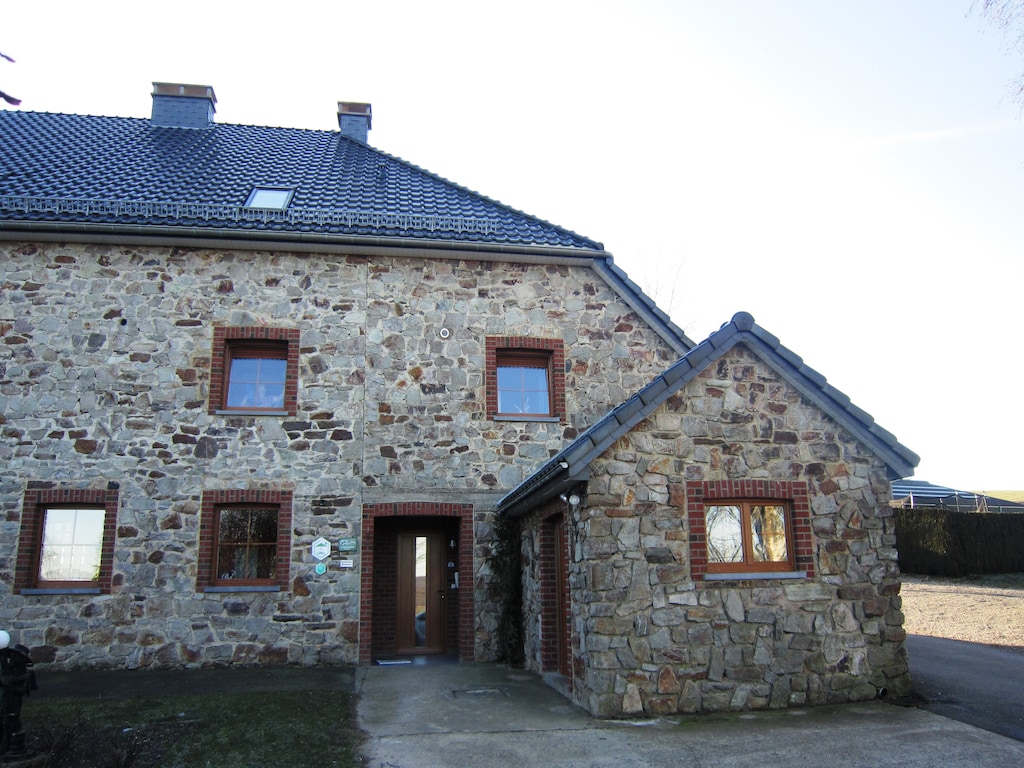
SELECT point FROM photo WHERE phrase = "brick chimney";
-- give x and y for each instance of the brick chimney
(176, 105)
(354, 119)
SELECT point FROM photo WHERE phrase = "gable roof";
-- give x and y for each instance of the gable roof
(130, 172)
(572, 465)
(115, 179)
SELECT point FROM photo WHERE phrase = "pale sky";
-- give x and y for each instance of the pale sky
(850, 173)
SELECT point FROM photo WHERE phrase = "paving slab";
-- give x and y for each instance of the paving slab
(426, 716)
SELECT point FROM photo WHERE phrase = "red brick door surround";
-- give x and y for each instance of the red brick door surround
(424, 509)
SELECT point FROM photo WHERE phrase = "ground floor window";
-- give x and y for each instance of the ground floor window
(244, 540)
(246, 544)
(749, 527)
(748, 536)
(67, 540)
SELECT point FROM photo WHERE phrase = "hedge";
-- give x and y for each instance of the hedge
(943, 543)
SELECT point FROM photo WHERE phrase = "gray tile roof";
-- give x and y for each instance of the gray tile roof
(104, 171)
(571, 465)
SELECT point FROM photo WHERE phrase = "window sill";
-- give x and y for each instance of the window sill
(245, 588)
(548, 419)
(62, 591)
(759, 576)
(241, 412)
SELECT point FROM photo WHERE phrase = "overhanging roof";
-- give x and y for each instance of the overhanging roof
(572, 464)
(117, 171)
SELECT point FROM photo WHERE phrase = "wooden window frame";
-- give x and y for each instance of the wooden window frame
(520, 358)
(33, 521)
(264, 350)
(214, 501)
(261, 341)
(749, 564)
(794, 493)
(219, 580)
(523, 351)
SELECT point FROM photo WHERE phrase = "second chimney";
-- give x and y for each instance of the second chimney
(176, 105)
(354, 120)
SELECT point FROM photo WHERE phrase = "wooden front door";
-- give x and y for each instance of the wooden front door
(421, 593)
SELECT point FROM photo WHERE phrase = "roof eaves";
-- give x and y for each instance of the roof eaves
(208, 237)
(575, 459)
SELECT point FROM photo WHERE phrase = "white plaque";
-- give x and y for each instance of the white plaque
(321, 549)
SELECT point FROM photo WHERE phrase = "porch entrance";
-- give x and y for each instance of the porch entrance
(415, 562)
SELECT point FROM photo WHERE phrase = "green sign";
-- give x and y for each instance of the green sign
(347, 545)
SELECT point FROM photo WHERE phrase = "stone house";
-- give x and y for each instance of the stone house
(251, 376)
(719, 541)
(265, 392)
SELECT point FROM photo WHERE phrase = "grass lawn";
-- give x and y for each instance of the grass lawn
(208, 730)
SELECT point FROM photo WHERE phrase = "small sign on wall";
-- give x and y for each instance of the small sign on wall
(347, 545)
(320, 549)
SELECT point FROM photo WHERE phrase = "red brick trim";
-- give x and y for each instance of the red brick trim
(223, 336)
(36, 501)
(551, 596)
(555, 347)
(418, 509)
(795, 492)
(212, 499)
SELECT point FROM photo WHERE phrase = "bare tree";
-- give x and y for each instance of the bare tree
(7, 97)
(1007, 16)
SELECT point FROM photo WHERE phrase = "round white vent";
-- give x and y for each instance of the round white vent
(444, 333)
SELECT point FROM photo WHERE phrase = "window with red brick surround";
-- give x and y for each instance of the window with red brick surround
(28, 578)
(254, 343)
(251, 503)
(700, 495)
(525, 353)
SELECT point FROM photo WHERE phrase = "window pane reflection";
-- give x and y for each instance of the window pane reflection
(724, 533)
(768, 533)
(72, 544)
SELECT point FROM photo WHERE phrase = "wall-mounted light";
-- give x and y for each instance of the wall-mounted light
(573, 500)
(444, 333)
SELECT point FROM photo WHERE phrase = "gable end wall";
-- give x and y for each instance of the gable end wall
(651, 635)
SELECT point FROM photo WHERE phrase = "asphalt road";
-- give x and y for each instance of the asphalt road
(981, 685)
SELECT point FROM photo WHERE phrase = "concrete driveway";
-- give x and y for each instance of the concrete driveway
(982, 685)
(426, 716)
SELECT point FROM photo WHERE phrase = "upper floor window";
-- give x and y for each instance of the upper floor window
(524, 383)
(67, 541)
(525, 378)
(254, 370)
(256, 375)
(274, 198)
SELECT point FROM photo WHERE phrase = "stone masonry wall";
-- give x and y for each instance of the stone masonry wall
(650, 638)
(105, 357)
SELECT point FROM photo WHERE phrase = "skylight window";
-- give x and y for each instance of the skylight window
(273, 198)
